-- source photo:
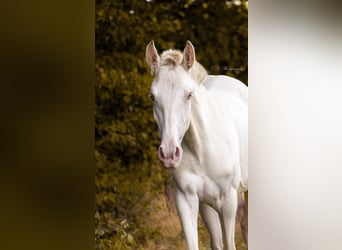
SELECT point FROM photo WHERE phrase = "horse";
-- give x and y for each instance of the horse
(203, 125)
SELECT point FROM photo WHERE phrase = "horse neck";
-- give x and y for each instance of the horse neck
(196, 135)
(193, 139)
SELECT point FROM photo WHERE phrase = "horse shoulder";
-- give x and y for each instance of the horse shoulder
(233, 95)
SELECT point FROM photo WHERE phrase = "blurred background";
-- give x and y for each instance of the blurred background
(133, 201)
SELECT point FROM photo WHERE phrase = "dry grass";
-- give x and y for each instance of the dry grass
(165, 219)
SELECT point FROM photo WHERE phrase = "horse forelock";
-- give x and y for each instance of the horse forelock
(171, 58)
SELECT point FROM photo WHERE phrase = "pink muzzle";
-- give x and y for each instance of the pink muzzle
(170, 154)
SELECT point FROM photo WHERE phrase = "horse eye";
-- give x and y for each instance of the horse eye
(188, 97)
(151, 96)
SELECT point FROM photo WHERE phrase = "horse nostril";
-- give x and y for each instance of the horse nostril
(177, 153)
(161, 153)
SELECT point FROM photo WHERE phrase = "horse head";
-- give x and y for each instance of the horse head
(171, 93)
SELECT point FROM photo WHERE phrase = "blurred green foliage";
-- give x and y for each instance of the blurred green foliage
(128, 173)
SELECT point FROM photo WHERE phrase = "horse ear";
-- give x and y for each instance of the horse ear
(152, 57)
(188, 55)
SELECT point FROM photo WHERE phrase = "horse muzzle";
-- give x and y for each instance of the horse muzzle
(170, 155)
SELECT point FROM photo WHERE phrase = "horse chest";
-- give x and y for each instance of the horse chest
(211, 187)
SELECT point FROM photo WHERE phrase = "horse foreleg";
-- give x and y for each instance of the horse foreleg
(212, 221)
(187, 207)
(244, 220)
(227, 216)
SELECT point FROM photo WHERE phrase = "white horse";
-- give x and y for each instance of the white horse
(203, 127)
